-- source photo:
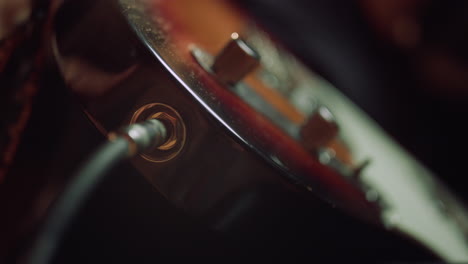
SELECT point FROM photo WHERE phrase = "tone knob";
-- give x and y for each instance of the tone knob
(235, 61)
(319, 130)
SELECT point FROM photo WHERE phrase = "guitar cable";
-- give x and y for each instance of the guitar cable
(128, 142)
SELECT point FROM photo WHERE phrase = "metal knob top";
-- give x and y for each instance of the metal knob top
(235, 61)
(319, 130)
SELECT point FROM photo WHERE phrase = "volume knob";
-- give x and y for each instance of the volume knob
(319, 130)
(235, 60)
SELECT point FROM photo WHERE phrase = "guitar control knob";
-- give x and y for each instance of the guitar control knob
(319, 130)
(235, 60)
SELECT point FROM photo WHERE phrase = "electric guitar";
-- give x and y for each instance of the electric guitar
(244, 112)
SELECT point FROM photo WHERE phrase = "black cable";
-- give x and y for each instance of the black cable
(135, 138)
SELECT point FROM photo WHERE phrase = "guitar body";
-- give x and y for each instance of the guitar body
(210, 112)
(240, 170)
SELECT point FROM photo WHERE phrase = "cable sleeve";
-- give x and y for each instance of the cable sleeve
(74, 196)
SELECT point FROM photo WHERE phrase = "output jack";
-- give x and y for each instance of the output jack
(175, 128)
